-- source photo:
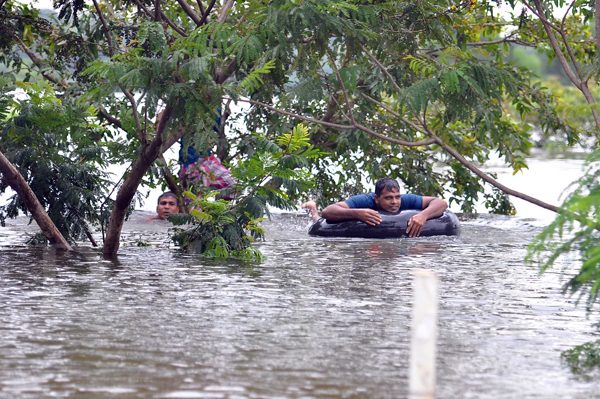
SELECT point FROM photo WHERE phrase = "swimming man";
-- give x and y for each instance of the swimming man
(386, 198)
(168, 204)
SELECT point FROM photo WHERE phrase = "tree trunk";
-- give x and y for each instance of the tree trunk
(150, 152)
(124, 198)
(16, 181)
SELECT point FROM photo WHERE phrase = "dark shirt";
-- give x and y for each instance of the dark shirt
(407, 201)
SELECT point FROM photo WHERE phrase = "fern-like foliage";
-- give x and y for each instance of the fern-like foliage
(253, 81)
(221, 228)
(216, 232)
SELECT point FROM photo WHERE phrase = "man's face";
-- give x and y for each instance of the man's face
(166, 206)
(388, 201)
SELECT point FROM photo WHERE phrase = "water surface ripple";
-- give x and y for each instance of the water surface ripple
(320, 318)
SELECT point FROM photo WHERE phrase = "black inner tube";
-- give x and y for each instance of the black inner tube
(391, 226)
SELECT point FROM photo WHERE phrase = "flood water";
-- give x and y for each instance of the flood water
(319, 318)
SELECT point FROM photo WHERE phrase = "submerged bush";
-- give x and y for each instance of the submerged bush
(583, 358)
(227, 228)
(218, 231)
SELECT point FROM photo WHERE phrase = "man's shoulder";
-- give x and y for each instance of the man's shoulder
(411, 201)
(361, 201)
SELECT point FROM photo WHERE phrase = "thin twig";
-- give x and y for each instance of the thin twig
(163, 16)
(344, 92)
(383, 69)
(200, 6)
(548, 27)
(397, 115)
(105, 28)
(207, 12)
(136, 115)
(38, 62)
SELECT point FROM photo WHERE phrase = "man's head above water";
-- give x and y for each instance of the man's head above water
(387, 195)
(168, 204)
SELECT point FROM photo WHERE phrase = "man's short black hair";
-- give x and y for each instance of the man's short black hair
(168, 194)
(387, 183)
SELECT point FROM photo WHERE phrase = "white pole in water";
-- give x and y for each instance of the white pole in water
(423, 335)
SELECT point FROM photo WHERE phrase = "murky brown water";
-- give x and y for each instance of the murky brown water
(320, 318)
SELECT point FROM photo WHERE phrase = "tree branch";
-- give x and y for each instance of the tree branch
(383, 69)
(200, 6)
(113, 121)
(163, 17)
(172, 25)
(335, 125)
(507, 39)
(15, 180)
(580, 84)
(403, 119)
(221, 75)
(429, 133)
(105, 28)
(344, 92)
(485, 177)
(143, 7)
(38, 62)
(136, 115)
(129, 96)
(207, 12)
(190, 12)
(597, 27)
(157, 11)
(548, 26)
(228, 4)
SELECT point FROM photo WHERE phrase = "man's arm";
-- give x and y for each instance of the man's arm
(341, 211)
(432, 207)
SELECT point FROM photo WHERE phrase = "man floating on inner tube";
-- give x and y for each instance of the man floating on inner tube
(386, 197)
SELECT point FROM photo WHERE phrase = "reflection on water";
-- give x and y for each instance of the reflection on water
(320, 318)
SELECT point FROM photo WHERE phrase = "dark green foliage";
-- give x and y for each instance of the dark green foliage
(216, 230)
(221, 228)
(583, 358)
(68, 9)
(460, 95)
(50, 145)
(499, 202)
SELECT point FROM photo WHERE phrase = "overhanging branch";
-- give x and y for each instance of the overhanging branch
(424, 130)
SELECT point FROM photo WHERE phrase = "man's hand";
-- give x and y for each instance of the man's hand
(415, 224)
(340, 211)
(369, 216)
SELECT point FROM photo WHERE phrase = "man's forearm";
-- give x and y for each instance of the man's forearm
(335, 213)
(435, 208)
